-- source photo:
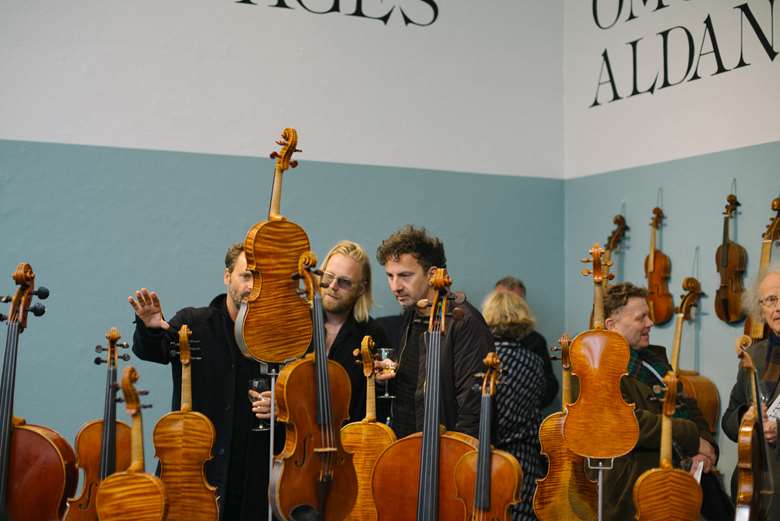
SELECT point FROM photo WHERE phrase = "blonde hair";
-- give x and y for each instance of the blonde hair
(507, 314)
(356, 252)
(751, 295)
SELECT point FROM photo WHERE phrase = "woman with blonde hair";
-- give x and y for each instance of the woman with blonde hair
(519, 397)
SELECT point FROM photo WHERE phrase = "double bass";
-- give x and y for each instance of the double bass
(183, 441)
(658, 268)
(666, 493)
(274, 324)
(37, 466)
(754, 326)
(314, 474)
(731, 260)
(132, 495)
(565, 493)
(366, 439)
(102, 446)
(488, 480)
(599, 424)
(754, 475)
(414, 478)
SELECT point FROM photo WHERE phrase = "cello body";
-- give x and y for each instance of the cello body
(294, 479)
(42, 474)
(88, 443)
(705, 392)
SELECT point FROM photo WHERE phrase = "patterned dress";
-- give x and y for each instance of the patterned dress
(518, 405)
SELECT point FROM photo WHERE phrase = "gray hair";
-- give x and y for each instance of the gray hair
(751, 296)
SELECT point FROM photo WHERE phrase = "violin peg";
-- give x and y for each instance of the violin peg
(124, 357)
(38, 309)
(123, 345)
(100, 349)
(119, 400)
(355, 352)
(146, 406)
(555, 357)
(275, 154)
(42, 292)
(3, 318)
(143, 393)
(196, 358)
(423, 303)
(479, 375)
(293, 162)
(99, 361)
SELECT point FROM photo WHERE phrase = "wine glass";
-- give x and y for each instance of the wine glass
(387, 353)
(260, 385)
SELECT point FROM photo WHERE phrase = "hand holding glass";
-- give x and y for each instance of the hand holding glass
(259, 385)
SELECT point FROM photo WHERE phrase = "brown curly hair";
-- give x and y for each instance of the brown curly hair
(429, 251)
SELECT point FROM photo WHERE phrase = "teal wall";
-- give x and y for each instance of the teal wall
(694, 194)
(96, 223)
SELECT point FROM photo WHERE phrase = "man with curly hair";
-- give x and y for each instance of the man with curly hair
(410, 256)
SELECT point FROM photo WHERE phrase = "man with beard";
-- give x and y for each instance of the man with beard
(410, 256)
(219, 385)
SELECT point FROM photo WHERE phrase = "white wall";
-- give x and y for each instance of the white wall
(479, 90)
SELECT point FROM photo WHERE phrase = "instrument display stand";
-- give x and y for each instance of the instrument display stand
(600, 465)
(271, 371)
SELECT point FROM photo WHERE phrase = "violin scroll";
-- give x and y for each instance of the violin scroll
(289, 143)
(689, 299)
(599, 267)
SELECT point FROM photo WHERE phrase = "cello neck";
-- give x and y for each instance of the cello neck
(324, 411)
(275, 211)
(482, 485)
(108, 443)
(427, 499)
(679, 320)
(370, 399)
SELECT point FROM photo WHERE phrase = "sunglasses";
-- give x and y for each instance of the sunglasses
(342, 282)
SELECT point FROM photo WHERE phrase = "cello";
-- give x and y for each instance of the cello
(366, 439)
(414, 478)
(657, 270)
(754, 325)
(314, 474)
(731, 260)
(132, 495)
(698, 387)
(37, 466)
(488, 480)
(565, 493)
(666, 493)
(754, 476)
(599, 424)
(183, 441)
(274, 324)
(102, 446)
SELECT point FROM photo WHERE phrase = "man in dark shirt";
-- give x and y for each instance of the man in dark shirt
(410, 257)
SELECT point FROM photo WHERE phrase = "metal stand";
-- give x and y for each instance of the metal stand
(272, 370)
(600, 465)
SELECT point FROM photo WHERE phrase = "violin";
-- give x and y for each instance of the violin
(755, 327)
(754, 476)
(666, 493)
(488, 480)
(731, 260)
(132, 495)
(183, 441)
(565, 493)
(698, 387)
(600, 424)
(414, 478)
(366, 439)
(102, 446)
(37, 466)
(657, 271)
(314, 474)
(274, 324)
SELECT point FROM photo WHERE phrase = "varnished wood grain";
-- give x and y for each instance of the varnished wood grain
(501, 464)
(566, 493)
(667, 495)
(365, 440)
(394, 471)
(276, 325)
(82, 508)
(131, 496)
(183, 442)
(42, 474)
(600, 424)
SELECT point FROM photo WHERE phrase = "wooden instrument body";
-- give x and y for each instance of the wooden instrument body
(42, 474)
(659, 300)
(599, 359)
(667, 494)
(728, 297)
(132, 496)
(705, 392)
(294, 479)
(274, 325)
(748, 459)
(88, 445)
(365, 440)
(507, 476)
(565, 493)
(400, 466)
(183, 442)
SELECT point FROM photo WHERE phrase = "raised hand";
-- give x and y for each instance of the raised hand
(147, 306)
